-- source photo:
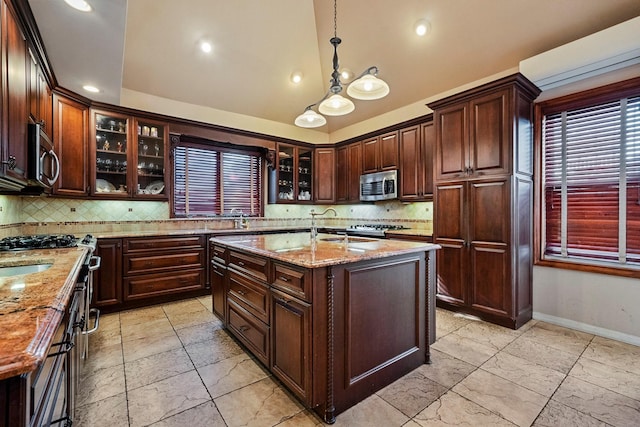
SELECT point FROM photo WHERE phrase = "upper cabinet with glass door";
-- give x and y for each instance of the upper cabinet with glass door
(294, 173)
(150, 164)
(110, 155)
(128, 157)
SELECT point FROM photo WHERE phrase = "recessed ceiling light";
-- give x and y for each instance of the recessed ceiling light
(90, 88)
(296, 77)
(422, 27)
(80, 5)
(206, 47)
(346, 74)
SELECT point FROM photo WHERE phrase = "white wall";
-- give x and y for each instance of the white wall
(597, 303)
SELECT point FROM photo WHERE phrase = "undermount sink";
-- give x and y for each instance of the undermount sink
(23, 269)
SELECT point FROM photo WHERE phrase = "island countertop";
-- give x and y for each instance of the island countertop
(32, 305)
(328, 249)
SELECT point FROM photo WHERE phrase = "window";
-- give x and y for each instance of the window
(590, 186)
(211, 180)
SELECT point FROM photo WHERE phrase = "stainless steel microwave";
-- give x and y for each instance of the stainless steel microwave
(379, 186)
(43, 165)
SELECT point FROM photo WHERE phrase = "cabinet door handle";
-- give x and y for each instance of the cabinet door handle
(11, 163)
(241, 264)
(284, 278)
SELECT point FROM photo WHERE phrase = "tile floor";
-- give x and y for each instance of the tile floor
(173, 365)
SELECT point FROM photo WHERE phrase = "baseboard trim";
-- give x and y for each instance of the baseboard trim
(585, 327)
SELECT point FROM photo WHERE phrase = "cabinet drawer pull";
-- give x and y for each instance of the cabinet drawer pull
(284, 278)
(244, 328)
(148, 264)
(241, 264)
(241, 292)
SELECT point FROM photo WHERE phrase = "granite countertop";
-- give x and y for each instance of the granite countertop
(329, 249)
(32, 305)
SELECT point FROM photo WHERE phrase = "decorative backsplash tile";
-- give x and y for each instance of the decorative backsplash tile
(43, 209)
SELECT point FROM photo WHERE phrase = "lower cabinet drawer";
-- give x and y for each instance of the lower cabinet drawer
(149, 285)
(250, 294)
(249, 330)
(152, 263)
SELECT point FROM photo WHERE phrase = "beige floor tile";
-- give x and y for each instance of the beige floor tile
(165, 398)
(411, 423)
(412, 393)
(464, 349)
(220, 347)
(488, 334)
(231, 374)
(598, 402)
(607, 376)
(159, 326)
(559, 338)
(204, 415)
(541, 354)
(141, 315)
(109, 322)
(199, 333)
(157, 367)
(303, 419)
(454, 410)
(447, 322)
(184, 306)
(192, 318)
(556, 414)
(373, 411)
(614, 353)
(263, 403)
(143, 347)
(108, 412)
(207, 302)
(535, 377)
(104, 338)
(512, 401)
(101, 384)
(445, 370)
(106, 357)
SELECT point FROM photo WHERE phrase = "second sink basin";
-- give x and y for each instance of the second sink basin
(23, 269)
(350, 239)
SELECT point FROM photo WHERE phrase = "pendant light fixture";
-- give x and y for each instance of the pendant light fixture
(367, 86)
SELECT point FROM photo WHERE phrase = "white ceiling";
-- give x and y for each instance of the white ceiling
(151, 46)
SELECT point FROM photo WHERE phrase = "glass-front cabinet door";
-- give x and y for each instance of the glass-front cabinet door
(294, 174)
(111, 148)
(150, 159)
(128, 156)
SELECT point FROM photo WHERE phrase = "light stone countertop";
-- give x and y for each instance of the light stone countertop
(32, 305)
(328, 249)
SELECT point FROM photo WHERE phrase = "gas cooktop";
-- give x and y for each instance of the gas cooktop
(373, 229)
(43, 241)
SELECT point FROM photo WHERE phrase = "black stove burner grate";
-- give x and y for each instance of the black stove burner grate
(43, 241)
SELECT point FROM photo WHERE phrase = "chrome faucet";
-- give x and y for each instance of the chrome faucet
(314, 230)
(240, 221)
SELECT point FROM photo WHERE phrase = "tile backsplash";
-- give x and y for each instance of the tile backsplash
(27, 215)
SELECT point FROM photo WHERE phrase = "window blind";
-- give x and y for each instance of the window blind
(209, 181)
(591, 177)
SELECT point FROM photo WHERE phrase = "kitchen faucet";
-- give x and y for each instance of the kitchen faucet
(314, 231)
(240, 222)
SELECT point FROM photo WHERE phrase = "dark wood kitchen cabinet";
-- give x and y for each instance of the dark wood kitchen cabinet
(324, 177)
(71, 135)
(107, 286)
(380, 153)
(416, 162)
(15, 108)
(217, 278)
(40, 97)
(483, 200)
(162, 266)
(295, 174)
(348, 171)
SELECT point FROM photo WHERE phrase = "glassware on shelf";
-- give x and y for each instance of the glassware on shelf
(145, 147)
(157, 147)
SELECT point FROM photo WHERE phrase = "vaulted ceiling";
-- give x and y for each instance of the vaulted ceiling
(152, 47)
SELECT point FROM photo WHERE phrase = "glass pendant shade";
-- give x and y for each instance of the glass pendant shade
(310, 119)
(368, 87)
(336, 105)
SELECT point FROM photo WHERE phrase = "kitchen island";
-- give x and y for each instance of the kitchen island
(334, 318)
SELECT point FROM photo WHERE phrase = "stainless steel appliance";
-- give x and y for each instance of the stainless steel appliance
(54, 384)
(379, 186)
(372, 230)
(43, 166)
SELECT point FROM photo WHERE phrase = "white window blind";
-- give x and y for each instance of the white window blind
(591, 183)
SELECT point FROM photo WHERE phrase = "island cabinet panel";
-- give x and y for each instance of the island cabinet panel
(380, 331)
(253, 266)
(294, 280)
(250, 294)
(107, 286)
(217, 278)
(291, 337)
(249, 330)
